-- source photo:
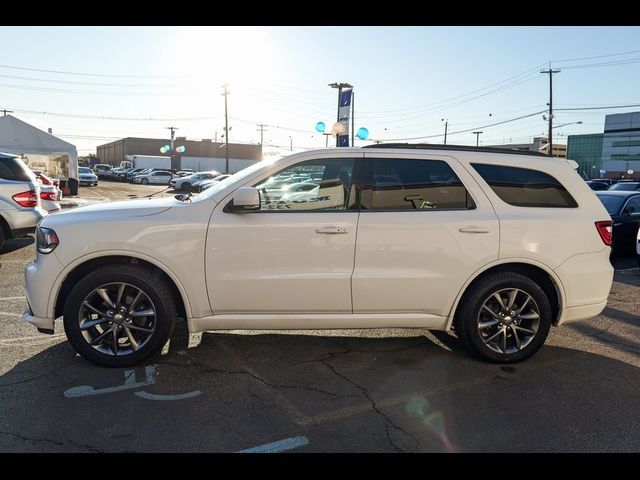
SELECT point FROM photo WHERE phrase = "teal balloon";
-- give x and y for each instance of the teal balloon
(363, 133)
(320, 127)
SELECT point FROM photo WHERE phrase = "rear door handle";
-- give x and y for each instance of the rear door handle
(473, 229)
(332, 230)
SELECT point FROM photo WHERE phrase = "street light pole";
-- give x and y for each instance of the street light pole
(446, 124)
(339, 86)
(226, 126)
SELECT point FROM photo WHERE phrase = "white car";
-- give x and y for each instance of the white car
(87, 177)
(156, 177)
(638, 248)
(186, 183)
(497, 245)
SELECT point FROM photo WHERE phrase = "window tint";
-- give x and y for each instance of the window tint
(633, 206)
(626, 186)
(523, 187)
(312, 185)
(414, 184)
(611, 203)
(15, 169)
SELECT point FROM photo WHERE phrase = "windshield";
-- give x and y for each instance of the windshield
(84, 170)
(611, 202)
(626, 186)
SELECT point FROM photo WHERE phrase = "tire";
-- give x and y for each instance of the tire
(2, 238)
(151, 331)
(144, 181)
(186, 186)
(514, 333)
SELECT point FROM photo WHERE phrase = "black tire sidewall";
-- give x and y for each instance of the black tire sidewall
(466, 320)
(150, 283)
(144, 181)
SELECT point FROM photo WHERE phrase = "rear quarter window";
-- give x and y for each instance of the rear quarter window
(525, 187)
(15, 169)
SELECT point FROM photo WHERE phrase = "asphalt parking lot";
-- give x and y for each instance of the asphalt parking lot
(340, 391)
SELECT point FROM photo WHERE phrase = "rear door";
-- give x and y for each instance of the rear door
(425, 227)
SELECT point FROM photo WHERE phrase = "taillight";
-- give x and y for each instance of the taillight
(51, 196)
(26, 199)
(605, 229)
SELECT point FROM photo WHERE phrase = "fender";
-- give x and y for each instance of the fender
(556, 280)
(55, 290)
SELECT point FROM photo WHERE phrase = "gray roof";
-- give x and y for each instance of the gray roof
(17, 136)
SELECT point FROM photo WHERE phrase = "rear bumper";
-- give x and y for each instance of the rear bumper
(573, 314)
(40, 323)
(23, 221)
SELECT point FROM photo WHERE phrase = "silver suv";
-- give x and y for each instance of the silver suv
(20, 208)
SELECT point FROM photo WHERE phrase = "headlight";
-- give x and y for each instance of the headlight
(46, 240)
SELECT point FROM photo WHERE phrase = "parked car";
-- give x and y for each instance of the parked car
(156, 177)
(133, 172)
(638, 248)
(608, 181)
(184, 172)
(50, 194)
(185, 183)
(87, 177)
(626, 186)
(20, 204)
(102, 170)
(596, 185)
(210, 183)
(498, 247)
(624, 208)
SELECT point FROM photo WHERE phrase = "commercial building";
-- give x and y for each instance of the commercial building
(198, 155)
(539, 144)
(621, 145)
(587, 151)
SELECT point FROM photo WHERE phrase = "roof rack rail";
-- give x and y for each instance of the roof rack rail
(464, 148)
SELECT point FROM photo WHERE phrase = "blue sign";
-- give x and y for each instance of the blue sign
(345, 98)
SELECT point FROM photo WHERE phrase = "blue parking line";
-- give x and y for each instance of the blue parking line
(279, 446)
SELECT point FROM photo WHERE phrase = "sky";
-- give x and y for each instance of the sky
(408, 81)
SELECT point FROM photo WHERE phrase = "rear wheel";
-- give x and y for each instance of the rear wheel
(120, 315)
(505, 318)
(144, 181)
(2, 238)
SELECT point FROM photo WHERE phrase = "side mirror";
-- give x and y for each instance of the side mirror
(245, 199)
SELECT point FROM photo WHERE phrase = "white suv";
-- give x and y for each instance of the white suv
(496, 245)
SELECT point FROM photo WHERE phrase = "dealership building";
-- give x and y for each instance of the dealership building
(198, 155)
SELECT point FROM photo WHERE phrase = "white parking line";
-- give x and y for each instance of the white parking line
(11, 314)
(12, 298)
(279, 446)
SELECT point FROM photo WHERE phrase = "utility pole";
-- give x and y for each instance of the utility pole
(4, 112)
(477, 134)
(550, 72)
(290, 143)
(446, 124)
(173, 151)
(225, 92)
(261, 130)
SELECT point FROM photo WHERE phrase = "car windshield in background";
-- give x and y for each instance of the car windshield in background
(611, 202)
(626, 186)
(84, 170)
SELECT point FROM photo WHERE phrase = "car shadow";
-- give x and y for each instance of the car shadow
(16, 244)
(226, 391)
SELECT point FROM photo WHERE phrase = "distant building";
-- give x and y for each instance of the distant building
(199, 154)
(621, 145)
(539, 144)
(587, 151)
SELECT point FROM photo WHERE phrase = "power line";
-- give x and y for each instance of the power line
(84, 74)
(596, 56)
(103, 117)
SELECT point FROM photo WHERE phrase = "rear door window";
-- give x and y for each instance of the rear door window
(15, 169)
(525, 187)
(413, 184)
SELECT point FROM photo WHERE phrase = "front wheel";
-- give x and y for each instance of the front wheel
(505, 318)
(144, 181)
(119, 315)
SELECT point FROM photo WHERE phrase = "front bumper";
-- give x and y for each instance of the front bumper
(40, 278)
(44, 325)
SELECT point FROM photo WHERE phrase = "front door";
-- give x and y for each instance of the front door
(425, 227)
(294, 255)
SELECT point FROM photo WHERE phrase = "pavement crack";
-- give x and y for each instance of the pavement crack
(388, 421)
(35, 441)
(31, 379)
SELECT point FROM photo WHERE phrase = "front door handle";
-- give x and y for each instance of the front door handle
(332, 230)
(473, 229)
